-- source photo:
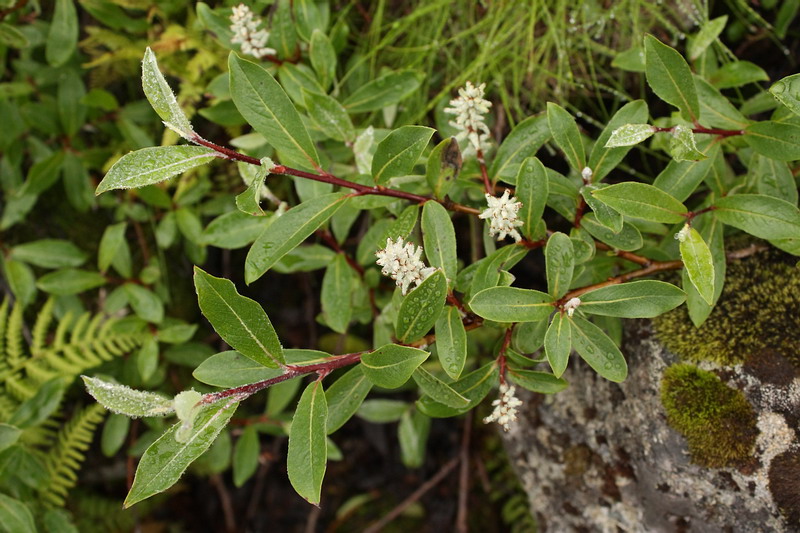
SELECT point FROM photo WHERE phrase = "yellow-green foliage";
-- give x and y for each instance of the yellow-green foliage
(758, 309)
(717, 421)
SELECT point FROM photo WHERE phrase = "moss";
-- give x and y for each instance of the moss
(784, 484)
(758, 310)
(717, 421)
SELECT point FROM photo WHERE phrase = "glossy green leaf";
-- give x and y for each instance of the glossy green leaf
(634, 299)
(70, 281)
(451, 341)
(49, 253)
(680, 178)
(381, 411)
(147, 358)
(670, 77)
(345, 397)
(473, 386)
(532, 190)
(438, 390)
(43, 174)
(307, 457)
(398, 152)
(522, 142)
(335, 296)
(605, 214)
(115, 431)
(629, 135)
(62, 39)
(234, 229)
(71, 110)
(15, 516)
(421, 307)
(154, 165)
(11, 36)
(330, 116)
(323, 57)
(598, 350)
(413, 435)
(166, 459)
(145, 303)
(21, 280)
(443, 166)
(511, 304)
(384, 91)
(113, 237)
(8, 435)
(439, 239)
(716, 110)
(240, 321)
(36, 409)
(736, 74)
(708, 33)
(534, 381)
(682, 146)
(487, 274)
(775, 178)
(775, 140)
(560, 262)
(232, 369)
(629, 239)
(605, 158)
(558, 343)
(762, 216)
(126, 401)
(390, 366)
(643, 201)
(712, 231)
(245, 456)
(308, 17)
(698, 262)
(161, 97)
(787, 92)
(566, 135)
(288, 231)
(264, 104)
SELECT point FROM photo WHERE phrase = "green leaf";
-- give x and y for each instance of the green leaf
(532, 190)
(715, 109)
(234, 230)
(154, 165)
(335, 296)
(634, 299)
(113, 237)
(62, 39)
(560, 262)
(558, 343)
(384, 91)
(12, 37)
(162, 99)
(145, 303)
(71, 110)
(604, 213)
(629, 135)
(473, 386)
(439, 239)
(126, 401)
(511, 304)
(775, 179)
(166, 459)
(8, 435)
(522, 142)
(598, 350)
(629, 239)
(43, 174)
(382, 411)
(115, 430)
(762, 216)
(49, 253)
(70, 281)
(712, 231)
(421, 307)
(307, 456)
(15, 516)
(21, 280)
(398, 152)
(438, 390)
(231, 369)
(534, 381)
(670, 77)
(36, 409)
(697, 261)
(643, 201)
(413, 435)
(680, 179)
(487, 274)
(787, 92)
(345, 397)
(147, 358)
(682, 146)
(390, 366)
(288, 231)
(245, 456)
(708, 34)
(323, 57)
(566, 135)
(736, 74)
(775, 140)
(443, 167)
(631, 59)
(240, 321)
(264, 104)
(451, 341)
(330, 116)
(605, 158)
(308, 18)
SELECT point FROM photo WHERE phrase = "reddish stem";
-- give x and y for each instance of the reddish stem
(708, 131)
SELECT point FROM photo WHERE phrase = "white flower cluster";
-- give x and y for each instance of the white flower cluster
(503, 215)
(244, 26)
(505, 407)
(469, 109)
(402, 263)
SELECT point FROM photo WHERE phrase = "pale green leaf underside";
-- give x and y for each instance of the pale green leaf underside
(153, 165)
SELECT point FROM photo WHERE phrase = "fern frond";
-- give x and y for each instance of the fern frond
(61, 331)
(66, 456)
(19, 388)
(42, 324)
(97, 514)
(15, 352)
(79, 328)
(3, 323)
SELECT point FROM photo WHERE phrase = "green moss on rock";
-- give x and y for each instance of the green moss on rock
(759, 309)
(718, 422)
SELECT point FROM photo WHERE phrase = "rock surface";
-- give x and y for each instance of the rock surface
(600, 456)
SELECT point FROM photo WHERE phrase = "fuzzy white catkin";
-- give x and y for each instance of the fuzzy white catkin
(244, 25)
(402, 263)
(505, 407)
(503, 216)
(469, 108)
